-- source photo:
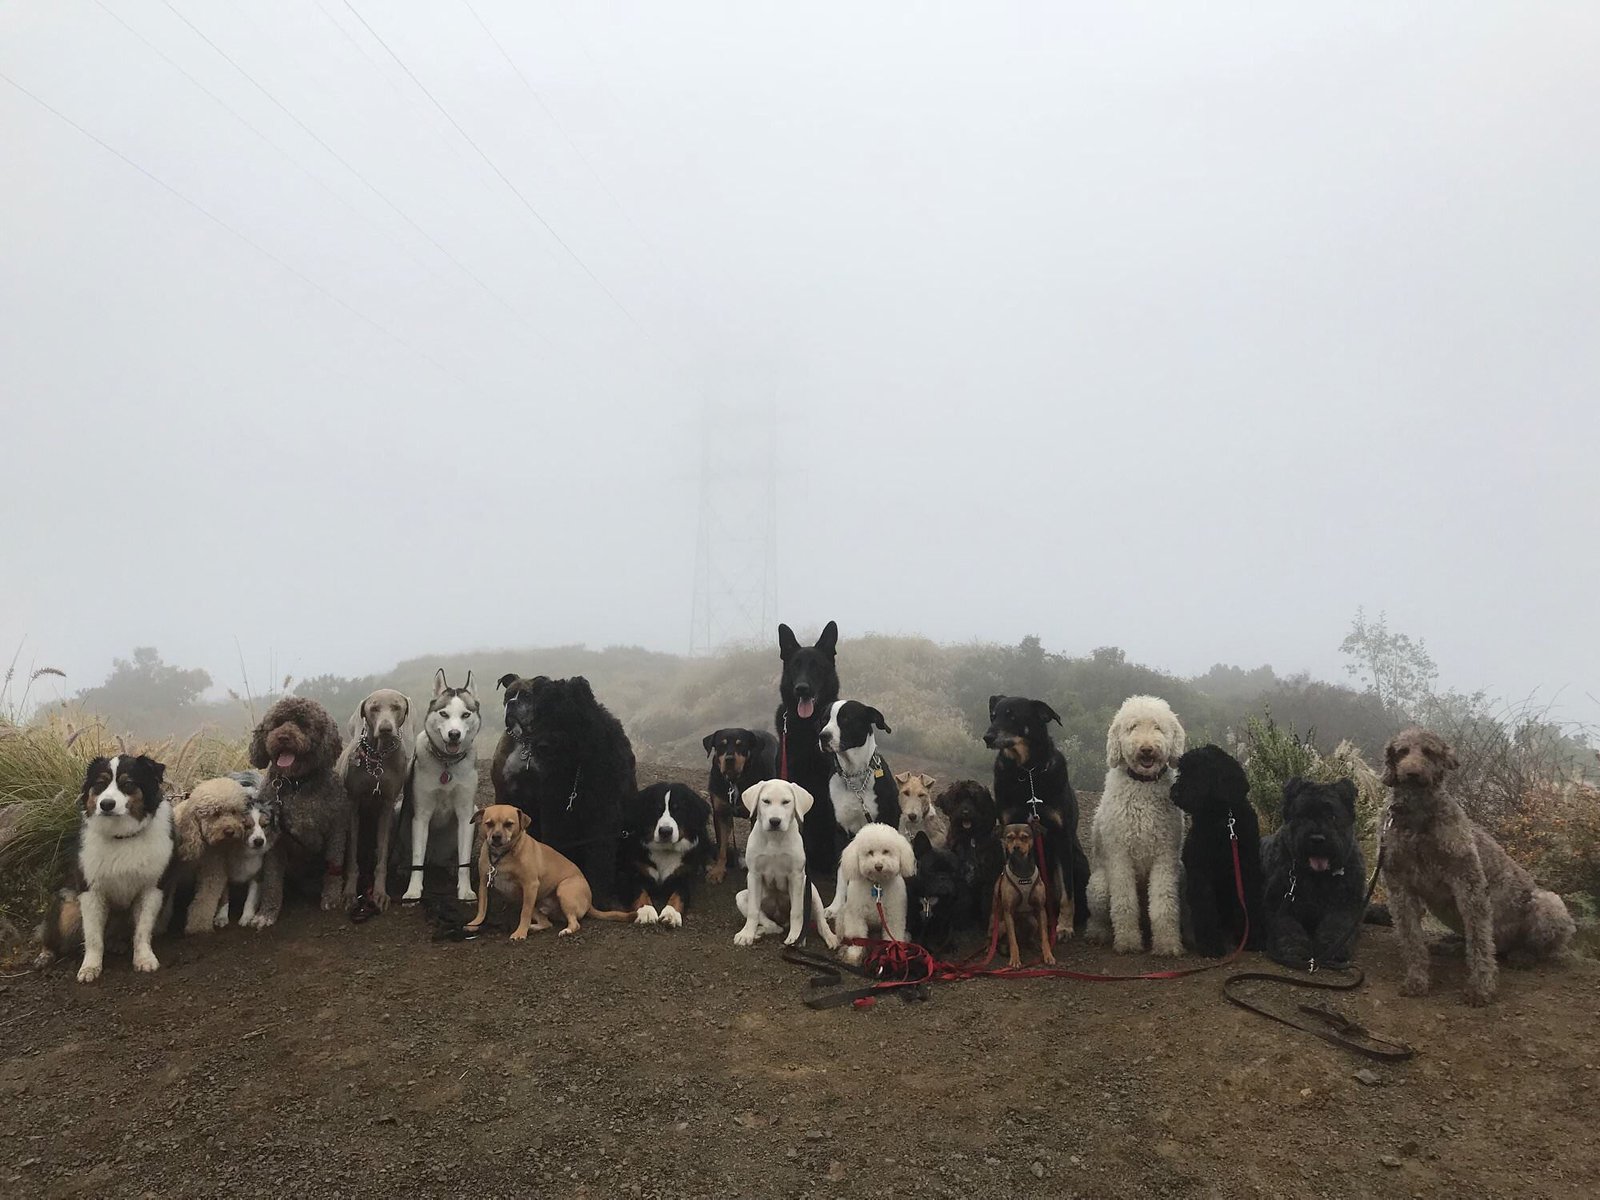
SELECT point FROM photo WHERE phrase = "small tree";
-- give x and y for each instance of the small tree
(1396, 669)
(145, 682)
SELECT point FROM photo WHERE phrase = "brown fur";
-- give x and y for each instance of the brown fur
(918, 813)
(1436, 858)
(373, 768)
(1010, 900)
(209, 820)
(315, 814)
(544, 879)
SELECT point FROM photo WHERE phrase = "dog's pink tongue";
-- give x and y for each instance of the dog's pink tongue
(805, 708)
(286, 760)
(1320, 864)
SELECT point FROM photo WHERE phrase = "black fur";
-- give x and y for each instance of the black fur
(636, 854)
(1018, 724)
(938, 897)
(583, 773)
(856, 723)
(809, 674)
(1319, 821)
(975, 841)
(759, 751)
(1211, 787)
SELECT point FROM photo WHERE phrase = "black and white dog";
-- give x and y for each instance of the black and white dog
(665, 846)
(807, 690)
(1030, 781)
(740, 759)
(125, 848)
(862, 788)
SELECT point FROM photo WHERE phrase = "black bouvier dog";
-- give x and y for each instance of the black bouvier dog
(939, 900)
(1315, 877)
(582, 771)
(975, 842)
(1211, 787)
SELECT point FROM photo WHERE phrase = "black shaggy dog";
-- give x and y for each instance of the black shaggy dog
(975, 841)
(740, 759)
(1030, 780)
(938, 897)
(1315, 876)
(666, 843)
(1212, 788)
(808, 688)
(582, 772)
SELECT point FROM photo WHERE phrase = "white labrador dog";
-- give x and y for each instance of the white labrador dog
(872, 873)
(775, 887)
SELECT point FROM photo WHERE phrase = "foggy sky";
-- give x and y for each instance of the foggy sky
(1184, 328)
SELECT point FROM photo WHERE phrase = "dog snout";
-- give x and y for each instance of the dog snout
(774, 822)
(1149, 753)
(257, 841)
(802, 691)
(991, 739)
(107, 804)
(453, 736)
(664, 833)
(386, 728)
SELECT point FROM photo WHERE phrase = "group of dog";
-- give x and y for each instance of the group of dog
(1174, 847)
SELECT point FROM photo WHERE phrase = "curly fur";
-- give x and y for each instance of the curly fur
(1212, 788)
(974, 839)
(315, 812)
(1314, 875)
(1137, 838)
(211, 824)
(1436, 858)
(878, 856)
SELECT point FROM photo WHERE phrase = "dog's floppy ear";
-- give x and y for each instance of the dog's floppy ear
(1390, 779)
(787, 642)
(876, 718)
(1113, 746)
(828, 643)
(1451, 762)
(1291, 796)
(751, 797)
(902, 778)
(439, 683)
(506, 680)
(1045, 713)
(523, 821)
(994, 703)
(707, 740)
(850, 862)
(477, 816)
(580, 685)
(258, 747)
(405, 709)
(921, 845)
(907, 852)
(927, 781)
(802, 801)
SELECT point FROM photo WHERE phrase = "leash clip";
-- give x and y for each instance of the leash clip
(1294, 882)
(877, 892)
(1311, 966)
(1232, 834)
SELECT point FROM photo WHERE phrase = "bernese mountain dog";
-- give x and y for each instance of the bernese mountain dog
(666, 843)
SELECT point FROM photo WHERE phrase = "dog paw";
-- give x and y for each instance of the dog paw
(853, 954)
(332, 899)
(1049, 959)
(646, 915)
(794, 937)
(144, 960)
(745, 937)
(517, 935)
(1166, 948)
(1016, 961)
(1125, 945)
(350, 893)
(89, 972)
(1094, 931)
(561, 933)
(466, 893)
(671, 918)
(220, 921)
(411, 895)
(1064, 931)
(716, 874)
(260, 921)
(380, 898)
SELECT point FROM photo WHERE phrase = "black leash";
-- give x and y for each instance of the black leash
(827, 973)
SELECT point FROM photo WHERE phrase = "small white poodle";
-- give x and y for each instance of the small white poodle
(1137, 839)
(872, 871)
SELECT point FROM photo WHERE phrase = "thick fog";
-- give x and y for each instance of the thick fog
(332, 334)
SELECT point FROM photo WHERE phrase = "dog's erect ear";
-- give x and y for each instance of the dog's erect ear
(908, 855)
(803, 801)
(467, 686)
(787, 642)
(707, 740)
(439, 684)
(1346, 789)
(506, 680)
(994, 703)
(1045, 713)
(876, 718)
(750, 797)
(921, 846)
(828, 643)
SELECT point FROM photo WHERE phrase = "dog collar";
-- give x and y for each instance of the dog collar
(1021, 884)
(445, 756)
(1157, 778)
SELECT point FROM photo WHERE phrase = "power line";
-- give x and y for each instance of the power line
(245, 238)
(346, 164)
(516, 191)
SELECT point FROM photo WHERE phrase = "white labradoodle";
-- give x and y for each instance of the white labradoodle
(872, 872)
(1137, 839)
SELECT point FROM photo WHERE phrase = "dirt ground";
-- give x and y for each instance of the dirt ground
(324, 1059)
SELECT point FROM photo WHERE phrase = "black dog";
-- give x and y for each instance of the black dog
(1315, 875)
(512, 772)
(975, 841)
(666, 843)
(579, 770)
(862, 787)
(938, 897)
(809, 686)
(1211, 787)
(1030, 780)
(740, 759)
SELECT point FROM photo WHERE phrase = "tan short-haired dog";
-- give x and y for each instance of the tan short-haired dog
(1020, 888)
(545, 880)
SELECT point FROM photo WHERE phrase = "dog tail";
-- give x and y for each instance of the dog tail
(829, 938)
(606, 914)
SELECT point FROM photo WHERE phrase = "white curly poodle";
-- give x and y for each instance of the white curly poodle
(1137, 839)
(872, 871)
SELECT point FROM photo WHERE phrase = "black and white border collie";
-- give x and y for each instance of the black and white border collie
(862, 788)
(666, 843)
(125, 847)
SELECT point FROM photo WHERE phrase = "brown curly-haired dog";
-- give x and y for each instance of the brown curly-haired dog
(211, 824)
(298, 745)
(1434, 856)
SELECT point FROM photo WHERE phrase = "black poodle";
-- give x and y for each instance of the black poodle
(1211, 787)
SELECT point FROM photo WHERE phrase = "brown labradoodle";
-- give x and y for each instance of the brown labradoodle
(297, 745)
(1434, 856)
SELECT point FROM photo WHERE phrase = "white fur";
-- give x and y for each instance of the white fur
(1137, 839)
(244, 867)
(879, 856)
(435, 802)
(850, 810)
(776, 857)
(122, 859)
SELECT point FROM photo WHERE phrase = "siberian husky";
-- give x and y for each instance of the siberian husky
(444, 781)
